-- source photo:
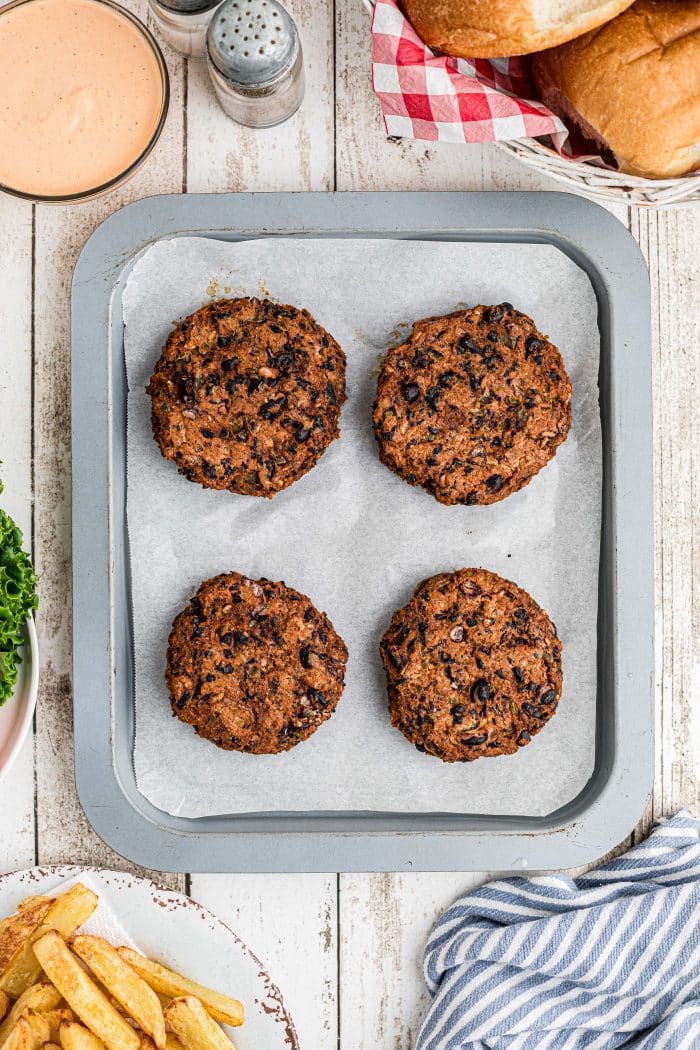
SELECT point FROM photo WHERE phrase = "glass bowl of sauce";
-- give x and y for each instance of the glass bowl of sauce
(84, 94)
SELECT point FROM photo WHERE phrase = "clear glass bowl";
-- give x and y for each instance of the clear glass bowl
(123, 176)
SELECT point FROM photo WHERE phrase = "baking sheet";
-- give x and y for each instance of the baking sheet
(353, 536)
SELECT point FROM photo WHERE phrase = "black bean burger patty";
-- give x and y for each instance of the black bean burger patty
(472, 405)
(246, 395)
(253, 665)
(473, 666)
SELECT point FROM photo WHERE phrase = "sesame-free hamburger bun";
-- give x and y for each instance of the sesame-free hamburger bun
(496, 28)
(633, 87)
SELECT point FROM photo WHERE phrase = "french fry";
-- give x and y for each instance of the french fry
(55, 1017)
(23, 970)
(34, 901)
(83, 996)
(74, 1037)
(29, 908)
(65, 914)
(4, 1004)
(39, 1030)
(172, 984)
(133, 993)
(51, 1046)
(69, 911)
(39, 997)
(20, 1037)
(172, 1042)
(30, 1032)
(16, 928)
(194, 1027)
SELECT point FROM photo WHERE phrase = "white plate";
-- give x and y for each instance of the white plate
(16, 715)
(179, 933)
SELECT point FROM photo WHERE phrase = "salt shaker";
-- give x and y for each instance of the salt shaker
(255, 62)
(184, 23)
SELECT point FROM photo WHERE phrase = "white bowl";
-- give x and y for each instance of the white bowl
(16, 715)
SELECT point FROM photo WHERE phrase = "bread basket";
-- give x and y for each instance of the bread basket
(599, 183)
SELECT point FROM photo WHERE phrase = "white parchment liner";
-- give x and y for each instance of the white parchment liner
(356, 538)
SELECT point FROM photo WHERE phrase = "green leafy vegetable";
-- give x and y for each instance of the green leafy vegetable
(17, 599)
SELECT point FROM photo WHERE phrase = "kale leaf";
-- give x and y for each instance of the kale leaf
(17, 599)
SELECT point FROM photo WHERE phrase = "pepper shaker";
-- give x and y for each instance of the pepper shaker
(255, 62)
(184, 23)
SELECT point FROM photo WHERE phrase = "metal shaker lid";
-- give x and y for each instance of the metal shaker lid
(252, 42)
(187, 7)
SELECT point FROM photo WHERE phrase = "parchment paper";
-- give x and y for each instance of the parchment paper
(356, 538)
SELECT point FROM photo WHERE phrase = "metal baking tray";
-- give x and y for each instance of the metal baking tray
(614, 798)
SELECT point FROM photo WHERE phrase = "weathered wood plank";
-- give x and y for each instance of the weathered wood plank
(384, 919)
(63, 832)
(669, 239)
(17, 792)
(297, 155)
(290, 922)
(384, 924)
(365, 158)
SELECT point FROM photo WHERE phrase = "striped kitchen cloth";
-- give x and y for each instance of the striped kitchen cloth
(609, 959)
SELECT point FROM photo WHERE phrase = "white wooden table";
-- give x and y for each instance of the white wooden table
(344, 948)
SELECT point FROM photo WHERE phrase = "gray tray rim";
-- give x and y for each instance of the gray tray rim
(613, 800)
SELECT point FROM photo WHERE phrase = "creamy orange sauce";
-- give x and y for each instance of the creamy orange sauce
(80, 95)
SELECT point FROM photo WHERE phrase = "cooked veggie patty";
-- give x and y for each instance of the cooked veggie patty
(473, 666)
(472, 405)
(246, 395)
(253, 665)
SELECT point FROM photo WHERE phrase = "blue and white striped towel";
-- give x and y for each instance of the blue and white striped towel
(609, 959)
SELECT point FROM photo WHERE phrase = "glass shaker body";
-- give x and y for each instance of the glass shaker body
(183, 25)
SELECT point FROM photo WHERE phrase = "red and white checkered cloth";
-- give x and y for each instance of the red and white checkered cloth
(428, 96)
